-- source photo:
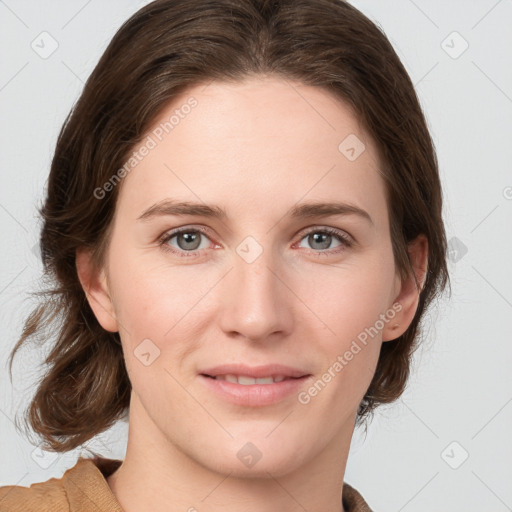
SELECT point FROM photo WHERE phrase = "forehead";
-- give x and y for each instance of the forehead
(261, 141)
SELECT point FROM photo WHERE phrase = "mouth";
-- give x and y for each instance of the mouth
(246, 380)
(247, 391)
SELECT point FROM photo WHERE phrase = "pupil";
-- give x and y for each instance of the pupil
(190, 238)
(317, 237)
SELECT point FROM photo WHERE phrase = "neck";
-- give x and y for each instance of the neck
(157, 474)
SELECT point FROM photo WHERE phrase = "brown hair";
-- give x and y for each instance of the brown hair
(163, 49)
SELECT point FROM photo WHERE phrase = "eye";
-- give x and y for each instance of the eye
(321, 238)
(188, 240)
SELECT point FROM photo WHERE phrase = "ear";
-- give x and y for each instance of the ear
(94, 283)
(407, 300)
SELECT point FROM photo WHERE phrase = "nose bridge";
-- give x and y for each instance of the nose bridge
(255, 301)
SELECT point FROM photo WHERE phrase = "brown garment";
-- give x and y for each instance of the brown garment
(84, 488)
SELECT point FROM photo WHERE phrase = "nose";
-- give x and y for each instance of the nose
(256, 302)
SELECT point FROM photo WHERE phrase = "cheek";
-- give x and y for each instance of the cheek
(143, 308)
(348, 333)
(151, 295)
(163, 304)
(349, 298)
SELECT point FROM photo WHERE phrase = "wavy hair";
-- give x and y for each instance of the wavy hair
(159, 52)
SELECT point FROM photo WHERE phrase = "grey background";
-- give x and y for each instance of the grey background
(458, 402)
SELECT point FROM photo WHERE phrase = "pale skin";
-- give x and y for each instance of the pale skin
(256, 149)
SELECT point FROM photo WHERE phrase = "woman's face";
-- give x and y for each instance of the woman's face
(258, 286)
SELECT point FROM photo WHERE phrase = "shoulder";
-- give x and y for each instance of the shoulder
(41, 497)
(82, 488)
(353, 501)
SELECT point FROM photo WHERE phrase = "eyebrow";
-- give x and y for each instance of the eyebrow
(300, 211)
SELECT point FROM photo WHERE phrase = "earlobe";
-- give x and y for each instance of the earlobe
(95, 285)
(407, 300)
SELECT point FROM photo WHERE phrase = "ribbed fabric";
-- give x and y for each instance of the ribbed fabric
(352, 500)
(84, 488)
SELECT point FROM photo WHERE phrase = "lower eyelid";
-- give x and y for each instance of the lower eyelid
(166, 237)
(345, 240)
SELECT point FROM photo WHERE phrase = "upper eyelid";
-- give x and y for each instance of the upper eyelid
(343, 234)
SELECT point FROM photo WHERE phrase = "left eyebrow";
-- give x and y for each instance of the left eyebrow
(300, 211)
(322, 209)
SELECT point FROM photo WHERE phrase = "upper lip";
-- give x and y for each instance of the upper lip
(268, 370)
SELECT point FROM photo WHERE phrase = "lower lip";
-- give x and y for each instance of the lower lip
(254, 395)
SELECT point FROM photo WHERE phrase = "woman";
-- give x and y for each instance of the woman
(244, 229)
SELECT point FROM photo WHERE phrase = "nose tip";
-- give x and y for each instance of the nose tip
(255, 300)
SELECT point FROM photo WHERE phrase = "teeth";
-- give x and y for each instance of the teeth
(248, 381)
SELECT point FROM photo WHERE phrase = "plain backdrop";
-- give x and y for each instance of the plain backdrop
(447, 443)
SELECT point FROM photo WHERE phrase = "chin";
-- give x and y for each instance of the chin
(256, 457)
(276, 466)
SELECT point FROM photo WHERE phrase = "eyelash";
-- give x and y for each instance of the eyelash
(345, 240)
